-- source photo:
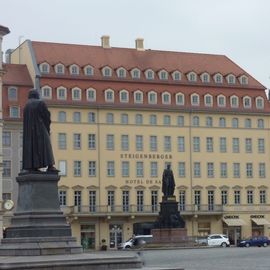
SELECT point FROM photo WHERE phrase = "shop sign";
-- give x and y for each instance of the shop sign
(231, 217)
(257, 216)
(145, 156)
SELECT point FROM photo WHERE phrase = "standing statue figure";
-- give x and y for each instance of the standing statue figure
(37, 148)
(168, 183)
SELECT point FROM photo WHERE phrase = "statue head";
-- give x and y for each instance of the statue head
(168, 166)
(33, 94)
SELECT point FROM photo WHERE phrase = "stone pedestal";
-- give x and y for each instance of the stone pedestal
(38, 226)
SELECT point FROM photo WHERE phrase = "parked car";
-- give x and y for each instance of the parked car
(261, 241)
(136, 241)
(221, 240)
(201, 241)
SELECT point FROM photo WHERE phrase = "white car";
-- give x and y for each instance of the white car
(221, 240)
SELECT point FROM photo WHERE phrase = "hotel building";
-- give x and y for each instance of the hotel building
(119, 115)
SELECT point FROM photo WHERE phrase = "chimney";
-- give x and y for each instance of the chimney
(8, 55)
(105, 42)
(139, 44)
(3, 31)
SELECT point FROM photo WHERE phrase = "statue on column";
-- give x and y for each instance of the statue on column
(168, 183)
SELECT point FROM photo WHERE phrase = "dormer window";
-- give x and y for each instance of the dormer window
(218, 78)
(46, 92)
(205, 78)
(149, 74)
(176, 75)
(59, 69)
(166, 98)
(109, 95)
(259, 103)
(208, 100)
(44, 68)
(74, 70)
(152, 97)
(138, 96)
(76, 94)
(195, 100)
(231, 79)
(234, 101)
(124, 97)
(91, 94)
(163, 75)
(61, 93)
(192, 76)
(221, 101)
(135, 73)
(247, 102)
(121, 73)
(243, 80)
(180, 99)
(107, 72)
(88, 71)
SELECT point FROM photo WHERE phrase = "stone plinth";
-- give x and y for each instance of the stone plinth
(169, 235)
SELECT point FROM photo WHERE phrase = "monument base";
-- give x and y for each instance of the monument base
(169, 235)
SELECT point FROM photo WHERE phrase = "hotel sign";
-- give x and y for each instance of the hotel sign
(142, 182)
(145, 156)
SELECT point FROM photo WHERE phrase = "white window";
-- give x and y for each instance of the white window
(110, 118)
(109, 95)
(138, 96)
(195, 121)
(61, 93)
(59, 69)
(192, 76)
(125, 168)
(261, 145)
(260, 123)
(44, 68)
(243, 80)
(138, 119)
(110, 141)
(91, 141)
(176, 75)
(92, 169)
(166, 98)
(91, 94)
(139, 169)
(46, 92)
(91, 117)
(124, 118)
(62, 194)
(76, 117)
(234, 101)
(62, 141)
(152, 97)
(124, 142)
(14, 112)
(247, 102)
(121, 73)
(197, 169)
(62, 116)
(149, 74)
(62, 165)
(218, 78)
(110, 168)
(205, 77)
(76, 94)
(152, 119)
(249, 170)
(208, 100)
(6, 138)
(107, 72)
(74, 70)
(139, 143)
(230, 79)
(124, 96)
(221, 101)
(180, 99)
(77, 168)
(195, 100)
(76, 141)
(236, 170)
(259, 103)
(12, 93)
(135, 73)
(163, 75)
(88, 70)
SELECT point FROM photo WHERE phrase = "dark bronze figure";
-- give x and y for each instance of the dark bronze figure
(37, 149)
(168, 183)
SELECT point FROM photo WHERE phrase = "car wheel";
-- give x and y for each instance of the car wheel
(127, 247)
(265, 244)
(223, 244)
(247, 245)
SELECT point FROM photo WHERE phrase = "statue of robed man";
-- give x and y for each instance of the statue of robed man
(168, 183)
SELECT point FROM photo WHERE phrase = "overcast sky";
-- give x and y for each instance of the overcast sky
(239, 29)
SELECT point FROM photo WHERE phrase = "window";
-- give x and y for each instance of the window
(109, 95)
(139, 143)
(135, 73)
(237, 197)
(77, 168)
(176, 75)
(76, 94)
(62, 165)
(167, 144)
(259, 103)
(195, 121)
(167, 120)
(235, 145)
(196, 144)
(88, 71)
(260, 123)
(6, 168)
(247, 123)
(44, 68)
(62, 194)
(152, 98)
(6, 196)
(195, 100)
(139, 169)
(221, 100)
(222, 122)
(91, 94)
(235, 123)
(110, 142)
(247, 102)
(218, 78)
(248, 145)
(211, 201)
(180, 99)
(180, 121)
(262, 170)
(14, 112)
(223, 145)
(76, 141)
(110, 168)
(261, 145)
(208, 100)
(209, 121)
(223, 169)
(138, 119)
(153, 169)
(109, 118)
(192, 77)
(182, 200)
(111, 200)
(181, 169)
(92, 141)
(125, 168)
(12, 93)
(262, 196)
(250, 196)
(138, 97)
(236, 170)
(92, 168)
(91, 117)
(62, 116)
(249, 170)
(149, 74)
(62, 141)
(153, 143)
(181, 144)
(163, 75)
(125, 200)
(243, 79)
(107, 72)
(124, 96)
(140, 200)
(59, 69)
(74, 70)
(61, 93)
(154, 200)
(6, 138)
(166, 98)
(152, 119)
(197, 169)
(205, 78)
(230, 79)
(234, 102)
(209, 144)
(92, 200)
(210, 169)
(77, 117)
(197, 199)
(124, 143)
(224, 197)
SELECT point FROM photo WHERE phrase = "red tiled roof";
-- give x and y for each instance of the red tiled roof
(99, 57)
(16, 75)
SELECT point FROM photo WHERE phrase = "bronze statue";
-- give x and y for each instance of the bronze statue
(168, 183)
(37, 149)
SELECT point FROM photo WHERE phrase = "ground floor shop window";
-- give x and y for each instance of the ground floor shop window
(88, 236)
(234, 234)
(257, 230)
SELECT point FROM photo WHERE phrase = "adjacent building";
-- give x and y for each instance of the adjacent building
(119, 115)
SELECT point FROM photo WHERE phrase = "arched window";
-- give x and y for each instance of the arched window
(76, 94)
(107, 72)
(260, 123)
(121, 72)
(205, 78)
(124, 96)
(46, 92)
(74, 70)
(243, 80)
(259, 103)
(109, 95)
(195, 121)
(166, 98)
(163, 75)
(88, 70)
(234, 101)
(221, 101)
(91, 94)
(247, 102)
(135, 73)
(61, 93)
(44, 68)
(235, 123)
(138, 96)
(218, 78)
(230, 79)
(12, 93)
(192, 76)
(208, 100)
(222, 122)
(59, 69)
(176, 75)
(195, 100)
(149, 74)
(180, 99)
(152, 97)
